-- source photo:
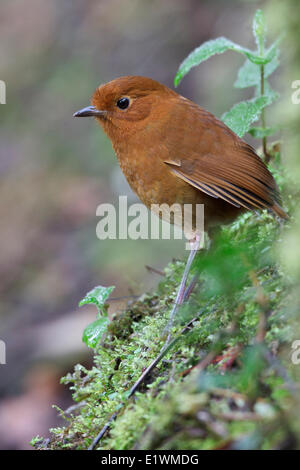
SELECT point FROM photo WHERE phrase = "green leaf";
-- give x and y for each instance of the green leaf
(97, 296)
(94, 331)
(273, 50)
(241, 115)
(260, 132)
(267, 56)
(249, 73)
(259, 29)
(269, 93)
(208, 49)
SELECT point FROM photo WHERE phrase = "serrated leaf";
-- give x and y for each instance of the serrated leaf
(268, 55)
(271, 94)
(97, 296)
(249, 73)
(94, 332)
(260, 132)
(208, 49)
(273, 49)
(241, 115)
(259, 29)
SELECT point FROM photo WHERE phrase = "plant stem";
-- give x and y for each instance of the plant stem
(263, 118)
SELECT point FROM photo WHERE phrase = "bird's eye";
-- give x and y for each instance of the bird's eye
(123, 103)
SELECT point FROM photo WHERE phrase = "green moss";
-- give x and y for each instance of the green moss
(238, 400)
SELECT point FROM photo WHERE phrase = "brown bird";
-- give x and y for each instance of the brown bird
(173, 151)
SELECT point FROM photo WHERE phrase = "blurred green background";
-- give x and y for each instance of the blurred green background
(56, 170)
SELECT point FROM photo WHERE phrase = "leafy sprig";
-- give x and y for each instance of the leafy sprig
(258, 66)
(95, 330)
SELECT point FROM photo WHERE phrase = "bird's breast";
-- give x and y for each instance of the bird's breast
(149, 177)
(153, 182)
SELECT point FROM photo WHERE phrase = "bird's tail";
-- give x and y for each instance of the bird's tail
(279, 211)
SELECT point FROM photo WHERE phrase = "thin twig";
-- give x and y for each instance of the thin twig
(124, 297)
(103, 430)
(75, 407)
(154, 270)
(135, 387)
(201, 365)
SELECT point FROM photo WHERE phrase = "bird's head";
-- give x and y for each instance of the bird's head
(126, 102)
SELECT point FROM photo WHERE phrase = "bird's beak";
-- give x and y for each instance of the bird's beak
(89, 111)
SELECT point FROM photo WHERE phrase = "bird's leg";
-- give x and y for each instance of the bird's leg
(190, 287)
(184, 293)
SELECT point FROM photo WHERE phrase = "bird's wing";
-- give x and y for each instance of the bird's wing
(243, 181)
(223, 166)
